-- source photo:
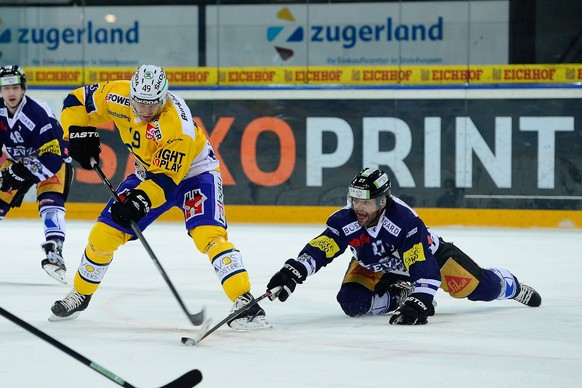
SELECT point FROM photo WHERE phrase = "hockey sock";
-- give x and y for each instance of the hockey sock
(509, 283)
(53, 219)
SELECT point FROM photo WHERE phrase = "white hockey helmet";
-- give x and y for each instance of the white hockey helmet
(149, 85)
(12, 75)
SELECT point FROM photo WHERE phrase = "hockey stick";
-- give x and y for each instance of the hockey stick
(195, 341)
(198, 318)
(189, 379)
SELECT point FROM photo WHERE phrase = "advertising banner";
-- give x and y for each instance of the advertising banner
(189, 77)
(387, 33)
(99, 36)
(440, 153)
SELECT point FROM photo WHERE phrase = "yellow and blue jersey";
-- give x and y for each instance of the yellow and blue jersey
(169, 149)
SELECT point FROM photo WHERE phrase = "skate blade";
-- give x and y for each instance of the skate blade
(243, 324)
(54, 318)
(55, 272)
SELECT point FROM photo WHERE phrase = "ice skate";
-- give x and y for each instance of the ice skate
(252, 319)
(54, 264)
(70, 307)
(401, 290)
(528, 296)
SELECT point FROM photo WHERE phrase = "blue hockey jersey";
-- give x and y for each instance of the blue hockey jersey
(400, 243)
(33, 137)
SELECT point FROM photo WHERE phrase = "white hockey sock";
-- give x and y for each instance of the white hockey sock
(508, 283)
(53, 219)
(380, 304)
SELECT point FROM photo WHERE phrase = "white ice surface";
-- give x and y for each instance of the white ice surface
(134, 324)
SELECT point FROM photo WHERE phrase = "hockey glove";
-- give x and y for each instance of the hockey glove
(414, 311)
(292, 273)
(134, 205)
(84, 145)
(15, 176)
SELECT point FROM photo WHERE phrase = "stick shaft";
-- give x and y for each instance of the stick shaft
(196, 318)
(188, 379)
(79, 357)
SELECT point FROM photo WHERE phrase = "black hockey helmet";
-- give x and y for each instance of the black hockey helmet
(12, 75)
(370, 183)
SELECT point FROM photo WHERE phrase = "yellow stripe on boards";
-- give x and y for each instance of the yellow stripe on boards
(515, 218)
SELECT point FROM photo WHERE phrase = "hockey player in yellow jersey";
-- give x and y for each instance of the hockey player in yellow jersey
(175, 166)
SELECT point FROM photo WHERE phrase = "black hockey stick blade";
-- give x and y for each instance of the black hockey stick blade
(197, 318)
(195, 341)
(189, 379)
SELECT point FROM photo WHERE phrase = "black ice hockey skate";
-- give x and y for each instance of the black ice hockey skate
(54, 264)
(528, 296)
(252, 319)
(401, 290)
(70, 307)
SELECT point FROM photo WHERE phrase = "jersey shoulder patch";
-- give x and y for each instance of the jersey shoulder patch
(344, 220)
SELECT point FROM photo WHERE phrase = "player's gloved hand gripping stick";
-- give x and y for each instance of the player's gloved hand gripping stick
(287, 278)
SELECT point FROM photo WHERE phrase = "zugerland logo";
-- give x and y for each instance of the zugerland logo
(53, 38)
(6, 36)
(350, 35)
(273, 32)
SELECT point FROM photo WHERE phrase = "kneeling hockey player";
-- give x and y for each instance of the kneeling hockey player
(398, 263)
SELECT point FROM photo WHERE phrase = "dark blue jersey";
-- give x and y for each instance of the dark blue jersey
(399, 243)
(34, 137)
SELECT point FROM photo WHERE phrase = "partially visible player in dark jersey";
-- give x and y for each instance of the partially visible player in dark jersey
(398, 263)
(33, 140)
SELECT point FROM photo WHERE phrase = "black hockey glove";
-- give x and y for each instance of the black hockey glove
(134, 205)
(414, 311)
(292, 273)
(15, 176)
(84, 145)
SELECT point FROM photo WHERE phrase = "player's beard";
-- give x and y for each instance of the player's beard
(367, 219)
